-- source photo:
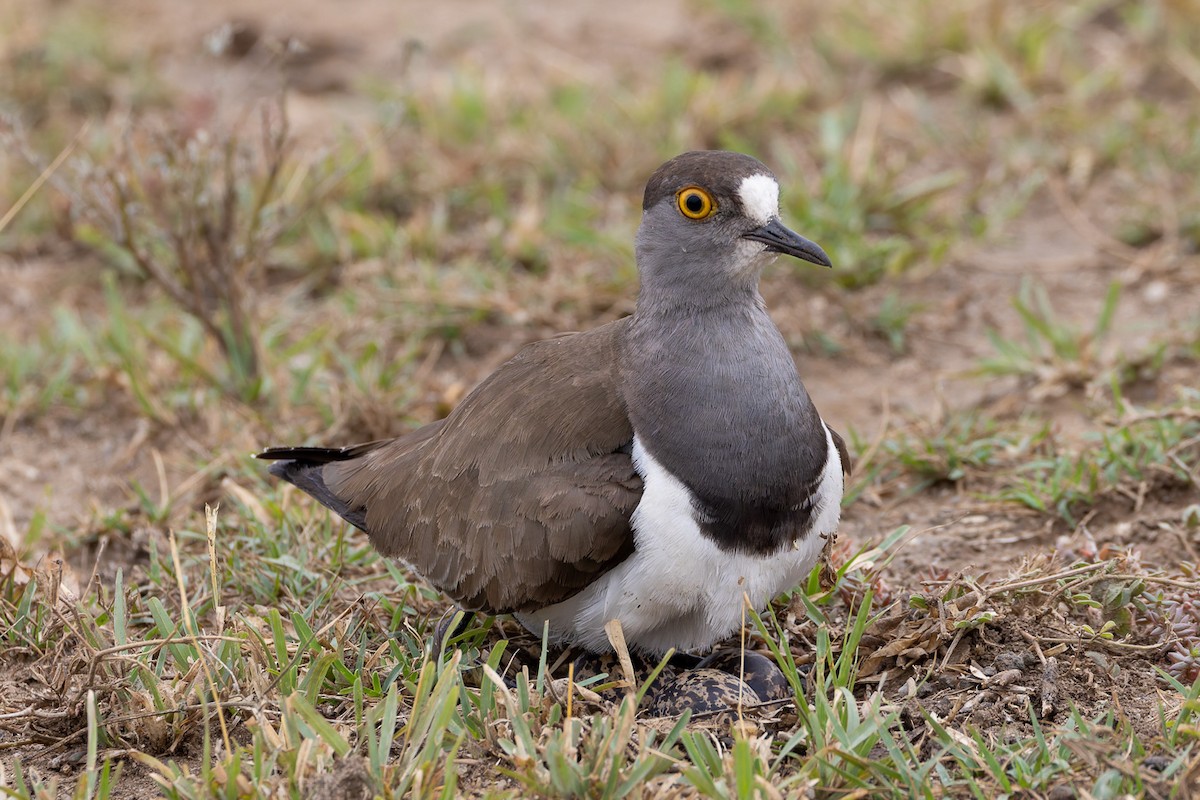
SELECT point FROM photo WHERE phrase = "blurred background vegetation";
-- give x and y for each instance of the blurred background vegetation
(223, 227)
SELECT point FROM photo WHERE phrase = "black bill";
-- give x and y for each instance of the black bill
(779, 239)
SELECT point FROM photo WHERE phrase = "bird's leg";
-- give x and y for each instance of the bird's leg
(449, 627)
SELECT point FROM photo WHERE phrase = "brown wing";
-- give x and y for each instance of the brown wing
(519, 498)
(843, 451)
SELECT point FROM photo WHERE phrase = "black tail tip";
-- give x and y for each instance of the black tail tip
(275, 453)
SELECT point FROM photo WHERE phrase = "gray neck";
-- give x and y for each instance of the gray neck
(687, 278)
(686, 300)
(714, 397)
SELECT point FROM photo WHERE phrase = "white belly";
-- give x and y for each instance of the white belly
(678, 589)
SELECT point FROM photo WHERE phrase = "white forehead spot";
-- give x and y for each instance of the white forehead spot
(760, 198)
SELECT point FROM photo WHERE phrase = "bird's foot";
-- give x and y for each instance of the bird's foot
(452, 625)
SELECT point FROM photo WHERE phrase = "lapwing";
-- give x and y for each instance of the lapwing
(660, 470)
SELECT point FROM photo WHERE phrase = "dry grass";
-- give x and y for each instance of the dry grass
(237, 291)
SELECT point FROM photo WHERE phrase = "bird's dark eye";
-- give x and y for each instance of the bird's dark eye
(695, 203)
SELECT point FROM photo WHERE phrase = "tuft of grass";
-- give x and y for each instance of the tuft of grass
(880, 220)
(28, 388)
(1054, 355)
(964, 449)
(171, 662)
(1158, 448)
(891, 319)
(199, 213)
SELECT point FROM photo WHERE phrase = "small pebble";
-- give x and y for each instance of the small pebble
(1156, 291)
(1008, 660)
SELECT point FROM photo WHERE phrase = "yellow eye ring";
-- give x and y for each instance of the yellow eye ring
(695, 203)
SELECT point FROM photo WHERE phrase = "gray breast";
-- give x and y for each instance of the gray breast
(715, 398)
